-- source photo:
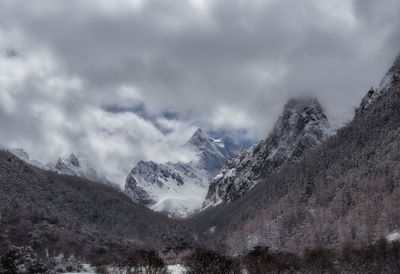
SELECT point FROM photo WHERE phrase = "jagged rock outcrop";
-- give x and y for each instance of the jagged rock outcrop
(71, 165)
(179, 189)
(302, 126)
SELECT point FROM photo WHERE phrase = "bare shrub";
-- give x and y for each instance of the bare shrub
(22, 260)
(260, 260)
(210, 262)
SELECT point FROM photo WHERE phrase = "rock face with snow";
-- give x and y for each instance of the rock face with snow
(392, 77)
(302, 126)
(179, 189)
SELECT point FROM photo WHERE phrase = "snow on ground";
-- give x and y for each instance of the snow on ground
(176, 269)
(178, 189)
(395, 236)
(172, 269)
(80, 273)
(179, 200)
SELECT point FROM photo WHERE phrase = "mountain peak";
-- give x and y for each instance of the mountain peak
(201, 142)
(303, 105)
(70, 160)
(301, 102)
(300, 115)
(302, 126)
(73, 160)
(199, 132)
(199, 136)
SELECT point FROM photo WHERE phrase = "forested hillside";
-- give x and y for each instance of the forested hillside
(345, 191)
(67, 214)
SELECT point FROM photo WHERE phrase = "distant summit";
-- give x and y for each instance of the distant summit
(68, 165)
(179, 189)
(71, 165)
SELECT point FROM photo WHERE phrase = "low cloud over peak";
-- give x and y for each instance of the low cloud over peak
(123, 81)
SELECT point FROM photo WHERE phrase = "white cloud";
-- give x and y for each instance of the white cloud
(231, 119)
(63, 118)
(101, 78)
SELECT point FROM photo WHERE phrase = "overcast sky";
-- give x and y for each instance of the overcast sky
(119, 81)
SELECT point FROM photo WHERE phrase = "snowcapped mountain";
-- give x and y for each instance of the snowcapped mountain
(211, 153)
(179, 189)
(392, 76)
(302, 126)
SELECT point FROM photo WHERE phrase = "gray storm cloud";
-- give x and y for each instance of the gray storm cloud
(120, 81)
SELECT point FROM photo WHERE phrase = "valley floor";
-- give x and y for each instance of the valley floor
(172, 269)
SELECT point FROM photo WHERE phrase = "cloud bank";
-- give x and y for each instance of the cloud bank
(129, 80)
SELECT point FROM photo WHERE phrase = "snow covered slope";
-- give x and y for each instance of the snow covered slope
(302, 126)
(175, 188)
(179, 189)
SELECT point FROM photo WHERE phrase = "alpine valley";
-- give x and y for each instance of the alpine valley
(179, 189)
(304, 199)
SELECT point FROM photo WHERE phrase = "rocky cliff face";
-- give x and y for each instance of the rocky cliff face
(179, 189)
(302, 126)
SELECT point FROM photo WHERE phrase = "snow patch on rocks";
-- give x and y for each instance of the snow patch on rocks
(392, 237)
